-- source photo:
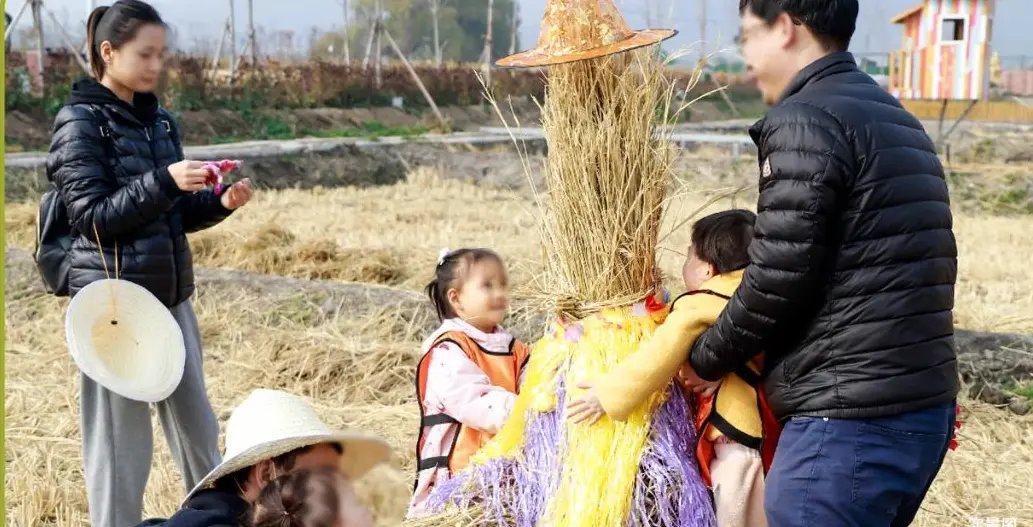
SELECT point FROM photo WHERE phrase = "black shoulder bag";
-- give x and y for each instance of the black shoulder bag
(54, 233)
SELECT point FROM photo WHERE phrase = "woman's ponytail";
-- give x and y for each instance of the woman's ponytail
(116, 24)
(93, 47)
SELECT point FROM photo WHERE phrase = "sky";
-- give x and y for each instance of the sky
(875, 34)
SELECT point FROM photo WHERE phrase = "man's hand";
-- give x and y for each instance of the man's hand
(688, 378)
(237, 195)
(587, 408)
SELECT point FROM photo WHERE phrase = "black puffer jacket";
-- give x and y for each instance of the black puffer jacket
(208, 508)
(850, 289)
(121, 185)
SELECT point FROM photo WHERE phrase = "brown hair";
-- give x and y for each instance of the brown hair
(303, 498)
(234, 483)
(117, 24)
(449, 272)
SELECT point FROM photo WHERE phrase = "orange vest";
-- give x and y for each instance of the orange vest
(503, 369)
(707, 416)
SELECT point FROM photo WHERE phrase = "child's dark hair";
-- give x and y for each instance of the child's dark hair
(117, 24)
(450, 272)
(723, 239)
(302, 498)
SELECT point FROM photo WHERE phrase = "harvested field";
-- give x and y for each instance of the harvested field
(352, 350)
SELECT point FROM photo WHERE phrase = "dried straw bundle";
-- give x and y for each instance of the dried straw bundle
(607, 173)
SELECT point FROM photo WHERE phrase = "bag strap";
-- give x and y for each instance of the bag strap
(105, 133)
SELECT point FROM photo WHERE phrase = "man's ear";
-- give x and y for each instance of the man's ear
(787, 29)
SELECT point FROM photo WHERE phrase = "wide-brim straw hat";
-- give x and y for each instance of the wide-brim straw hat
(123, 338)
(270, 423)
(574, 30)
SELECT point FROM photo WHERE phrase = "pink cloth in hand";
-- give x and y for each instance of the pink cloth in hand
(216, 169)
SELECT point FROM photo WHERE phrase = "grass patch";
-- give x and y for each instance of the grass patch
(1024, 389)
(265, 128)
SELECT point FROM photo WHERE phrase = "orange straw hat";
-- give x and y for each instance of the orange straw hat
(574, 30)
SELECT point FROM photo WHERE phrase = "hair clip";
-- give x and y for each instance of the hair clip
(442, 255)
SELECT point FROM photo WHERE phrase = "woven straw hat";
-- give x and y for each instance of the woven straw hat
(123, 337)
(271, 423)
(575, 30)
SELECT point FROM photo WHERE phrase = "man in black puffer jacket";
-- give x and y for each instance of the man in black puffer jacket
(850, 289)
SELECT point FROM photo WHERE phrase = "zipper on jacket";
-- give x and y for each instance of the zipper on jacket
(168, 221)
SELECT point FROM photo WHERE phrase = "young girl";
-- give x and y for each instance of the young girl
(117, 165)
(310, 498)
(470, 371)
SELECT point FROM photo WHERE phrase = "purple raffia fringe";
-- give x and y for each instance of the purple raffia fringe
(669, 492)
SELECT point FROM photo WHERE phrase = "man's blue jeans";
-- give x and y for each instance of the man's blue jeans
(856, 472)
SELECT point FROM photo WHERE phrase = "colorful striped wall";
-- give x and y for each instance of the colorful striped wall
(926, 67)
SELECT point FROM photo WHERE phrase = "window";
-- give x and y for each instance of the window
(953, 29)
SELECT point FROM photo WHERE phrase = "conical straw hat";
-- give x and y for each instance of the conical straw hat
(121, 336)
(271, 423)
(575, 30)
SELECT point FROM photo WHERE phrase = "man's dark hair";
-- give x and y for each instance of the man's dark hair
(832, 21)
(234, 483)
(723, 238)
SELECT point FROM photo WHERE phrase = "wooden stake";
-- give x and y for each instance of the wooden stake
(252, 41)
(378, 65)
(435, 5)
(37, 21)
(233, 42)
(344, 33)
(487, 44)
(218, 49)
(14, 21)
(515, 26)
(369, 46)
(416, 78)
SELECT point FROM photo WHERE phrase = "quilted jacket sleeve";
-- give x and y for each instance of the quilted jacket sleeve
(78, 167)
(654, 365)
(810, 157)
(200, 210)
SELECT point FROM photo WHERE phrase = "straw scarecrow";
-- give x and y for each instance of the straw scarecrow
(607, 172)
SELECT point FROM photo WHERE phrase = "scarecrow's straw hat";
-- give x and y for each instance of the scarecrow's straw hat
(575, 30)
(271, 423)
(123, 337)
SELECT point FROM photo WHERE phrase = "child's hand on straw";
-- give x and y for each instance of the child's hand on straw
(587, 408)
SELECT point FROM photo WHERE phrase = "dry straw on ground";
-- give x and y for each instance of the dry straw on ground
(358, 369)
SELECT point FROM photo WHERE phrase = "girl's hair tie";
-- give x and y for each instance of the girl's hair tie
(442, 256)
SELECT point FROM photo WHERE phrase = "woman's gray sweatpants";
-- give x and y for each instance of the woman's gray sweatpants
(118, 442)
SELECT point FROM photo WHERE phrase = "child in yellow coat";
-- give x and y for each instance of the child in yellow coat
(731, 414)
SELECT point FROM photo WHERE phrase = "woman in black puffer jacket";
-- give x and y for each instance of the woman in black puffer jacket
(117, 163)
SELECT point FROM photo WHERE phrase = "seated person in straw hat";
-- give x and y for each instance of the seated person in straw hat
(270, 434)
